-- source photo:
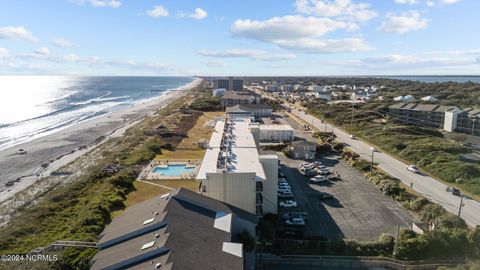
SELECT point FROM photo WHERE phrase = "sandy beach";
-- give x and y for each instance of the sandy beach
(66, 145)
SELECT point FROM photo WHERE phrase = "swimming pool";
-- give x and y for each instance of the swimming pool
(173, 170)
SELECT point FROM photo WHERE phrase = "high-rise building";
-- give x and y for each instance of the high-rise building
(230, 83)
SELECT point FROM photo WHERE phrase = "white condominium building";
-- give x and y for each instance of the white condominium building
(233, 172)
(276, 133)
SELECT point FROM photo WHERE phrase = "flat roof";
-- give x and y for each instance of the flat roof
(276, 127)
(243, 156)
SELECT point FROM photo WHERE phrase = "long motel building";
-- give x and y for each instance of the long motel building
(233, 172)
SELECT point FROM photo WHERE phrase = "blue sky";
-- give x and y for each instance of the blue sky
(248, 37)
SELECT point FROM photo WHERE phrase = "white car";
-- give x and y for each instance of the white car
(304, 164)
(285, 195)
(295, 222)
(284, 189)
(352, 137)
(318, 179)
(288, 204)
(413, 168)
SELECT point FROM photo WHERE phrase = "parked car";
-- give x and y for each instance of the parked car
(325, 196)
(352, 137)
(413, 168)
(282, 180)
(284, 190)
(304, 164)
(288, 204)
(318, 179)
(310, 173)
(21, 152)
(292, 233)
(323, 173)
(285, 184)
(285, 195)
(290, 215)
(295, 222)
(455, 191)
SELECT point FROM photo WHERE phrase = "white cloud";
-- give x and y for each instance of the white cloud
(216, 64)
(158, 11)
(287, 27)
(17, 32)
(70, 58)
(432, 3)
(345, 9)
(99, 3)
(309, 45)
(406, 1)
(43, 51)
(199, 14)
(257, 55)
(3, 53)
(61, 42)
(300, 33)
(434, 62)
(405, 22)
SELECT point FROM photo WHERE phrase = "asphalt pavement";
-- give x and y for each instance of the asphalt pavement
(429, 187)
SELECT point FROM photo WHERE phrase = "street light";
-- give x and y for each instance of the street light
(351, 122)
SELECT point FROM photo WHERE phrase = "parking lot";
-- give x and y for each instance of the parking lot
(358, 210)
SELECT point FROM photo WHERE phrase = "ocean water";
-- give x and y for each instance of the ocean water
(34, 106)
(434, 79)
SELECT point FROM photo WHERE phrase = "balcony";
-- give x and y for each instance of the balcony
(259, 199)
(259, 211)
(259, 187)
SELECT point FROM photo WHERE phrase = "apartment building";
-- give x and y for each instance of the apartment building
(249, 110)
(233, 172)
(231, 98)
(276, 133)
(449, 118)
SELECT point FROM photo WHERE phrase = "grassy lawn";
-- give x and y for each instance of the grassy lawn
(187, 149)
(200, 131)
(142, 192)
(176, 184)
(181, 154)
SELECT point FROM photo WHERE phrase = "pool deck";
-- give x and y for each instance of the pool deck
(148, 174)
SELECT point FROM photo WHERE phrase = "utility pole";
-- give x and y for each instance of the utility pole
(460, 206)
(371, 164)
(396, 241)
(351, 122)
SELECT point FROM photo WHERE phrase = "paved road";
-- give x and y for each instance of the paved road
(432, 189)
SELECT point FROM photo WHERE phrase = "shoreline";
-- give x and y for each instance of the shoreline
(66, 145)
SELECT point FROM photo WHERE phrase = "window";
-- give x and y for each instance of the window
(148, 245)
(148, 221)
